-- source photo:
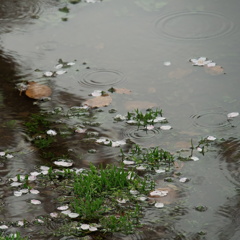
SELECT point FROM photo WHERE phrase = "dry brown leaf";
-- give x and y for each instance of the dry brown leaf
(217, 70)
(179, 73)
(131, 105)
(100, 101)
(122, 90)
(38, 91)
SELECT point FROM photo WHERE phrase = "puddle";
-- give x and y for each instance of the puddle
(110, 43)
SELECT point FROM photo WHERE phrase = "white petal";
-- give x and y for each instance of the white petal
(194, 158)
(167, 64)
(54, 215)
(96, 93)
(142, 198)
(20, 223)
(62, 208)
(35, 173)
(159, 119)
(25, 190)
(3, 227)
(159, 193)
(131, 121)
(15, 184)
(199, 149)
(66, 212)
(17, 193)
(60, 72)
(211, 64)
(34, 201)
(134, 192)
(93, 229)
(127, 162)
(48, 74)
(80, 130)
(73, 215)
(166, 127)
(63, 163)
(52, 132)
(159, 205)
(141, 168)
(44, 168)
(233, 114)
(40, 220)
(160, 171)
(32, 178)
(34, 191)
(150, 127)
(85, 226)
(71, 63)
(211, 138)
(183, 180)
(2, 154)
(59, 66)
(9, 156)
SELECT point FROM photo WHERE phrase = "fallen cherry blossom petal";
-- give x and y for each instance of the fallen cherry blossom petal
(194, 158)
(34, 191)
(60, 72)
(127, 162)
(54, 215)
(62, 208)
(15, 184)
(159, 193)
(159, 205)
(233, 114)
(71, 63)
(80, 130)
(3, 227)
(2, 154)
(25, 190)
(166, 127)
(73, 215)
(183, 180)
(17, 193)
(44, 168)
(59, 66)
(149, 127)
(63, 163)
(134, 192)
(52, 132)
(211, 138)
(48, 74)
(35, 202)
(85, 226)
(167, 64)
(96, 93)
(93, 229)
(141, 168)
(160, 171)
(121, 200)
(66, 212)
(9, 156)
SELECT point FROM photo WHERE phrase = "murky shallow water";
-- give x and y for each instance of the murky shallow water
(124, 44)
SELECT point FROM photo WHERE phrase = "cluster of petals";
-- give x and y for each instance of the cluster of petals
(202, 61)
(160, 193)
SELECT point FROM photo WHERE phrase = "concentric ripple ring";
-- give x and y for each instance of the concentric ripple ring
(193, 25)
(102, 77)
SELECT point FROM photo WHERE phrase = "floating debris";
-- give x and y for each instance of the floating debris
(202, 61)
(159, 205)
(63, 163)
(38, 91)
(211, 138)
(233, 114)
(166, 127)
(167, 63)
(35, 202)
(101, 101)
(194, 158)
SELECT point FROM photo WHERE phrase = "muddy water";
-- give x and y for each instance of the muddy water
(125, 44)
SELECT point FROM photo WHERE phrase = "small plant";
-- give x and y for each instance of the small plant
(151, 157)
(144, 119)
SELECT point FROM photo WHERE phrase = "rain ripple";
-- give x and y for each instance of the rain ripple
(193, 25)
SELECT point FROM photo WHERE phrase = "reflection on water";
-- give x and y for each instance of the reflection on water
(116, 37)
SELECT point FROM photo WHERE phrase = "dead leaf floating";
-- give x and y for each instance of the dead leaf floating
(38, 91)
(216, 70)
(101, 101)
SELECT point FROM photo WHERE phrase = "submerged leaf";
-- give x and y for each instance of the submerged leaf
(100, 101)
(122, 90)
(214, 70)
(38, 91)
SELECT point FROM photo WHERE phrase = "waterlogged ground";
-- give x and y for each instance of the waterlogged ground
(150, 52)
